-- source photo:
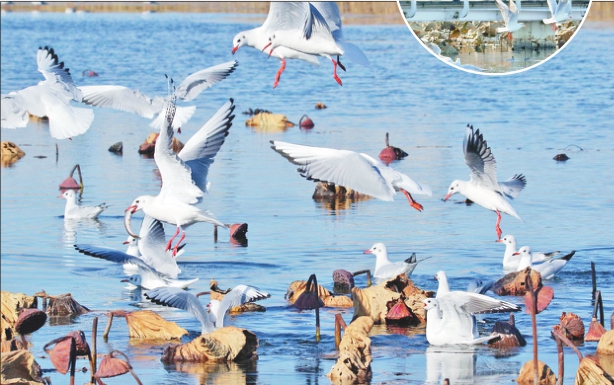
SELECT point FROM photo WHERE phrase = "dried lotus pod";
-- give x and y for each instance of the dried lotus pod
(29, 321)
(399, 314)
(595, 331)
(111, 366)
(571, 326)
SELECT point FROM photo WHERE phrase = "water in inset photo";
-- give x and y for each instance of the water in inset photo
(494, 36)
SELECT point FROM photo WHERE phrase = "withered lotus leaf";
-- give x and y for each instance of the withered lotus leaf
(10, 305)
(19, 367)
(111, 366)
(572, 326)
(591, 373)
(63, 305)
(338, 301)
(298, 287)
(81, 346)
(595, 331)
(545, 374)
(30, 320)
(146, 324)
(514, 283)
(222, 345)
(60, 354)
(545, 294)
(354, 362)
(606, 344)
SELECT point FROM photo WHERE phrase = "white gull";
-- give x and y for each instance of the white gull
(384, 269)
(547, 269)
(511, 262)
(73, 211)
(483, 187)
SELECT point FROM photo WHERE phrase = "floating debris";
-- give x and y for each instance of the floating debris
(149, 145)
(509, 335)
(267, 121)
(117, 148)
(391, 153)
(326, 190)
(256, 111)
(561, 158)
(62, 305)
(514, 283)
(320, 106)
(89, 73)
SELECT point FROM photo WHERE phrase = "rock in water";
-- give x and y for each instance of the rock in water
(117, 148)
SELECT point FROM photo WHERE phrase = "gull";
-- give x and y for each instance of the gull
(560, 10)
(315, 28)
(147, 277)
(384, 269)
(258, 38)
(437, 51)
(546, 269)
(483, 187)
(510, 17)
(184, 175)
(353, 170)
(74, 211)
(126, 99)
(50, 98)
(214, 319)
(451, 317)
(511, 262)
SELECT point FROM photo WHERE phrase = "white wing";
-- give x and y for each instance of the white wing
(342, 167)
(182, 115)
(473, 303)
(176, 175)
(513, 186)
(199, 81)
(152, 245)
(120, 98)
(14, 115)
(505, 11)
(181, 299)
(480, 159)
(239, 295)
(199, 152)
(54, 72)
(330, 11)
(115, 256)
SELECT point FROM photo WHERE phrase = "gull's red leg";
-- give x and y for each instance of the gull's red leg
(412, 202)
(178, 243)
(168, 245)
(281, 69)
(497, 225)
(335, 72)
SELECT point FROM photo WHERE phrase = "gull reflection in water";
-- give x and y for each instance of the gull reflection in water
(72, 226)
(455, 362)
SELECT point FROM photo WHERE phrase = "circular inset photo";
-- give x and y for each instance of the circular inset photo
(494, 36)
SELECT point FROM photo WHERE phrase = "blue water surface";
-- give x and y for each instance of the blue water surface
(565, 105)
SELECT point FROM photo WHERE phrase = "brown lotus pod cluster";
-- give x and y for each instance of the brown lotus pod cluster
(546, 375)
(222, 345)
(372, 301)
(399, 314)
(571, 326)
(354, 363)
(325, 190)
(343, 280)
(149, 145)
(514, 283)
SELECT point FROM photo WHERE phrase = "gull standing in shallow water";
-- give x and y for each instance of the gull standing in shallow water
(126, 99)
(450, 317)
(483, 187)
(353, 170)
(147, 277)
(315, 28)
(511, 262)
(184, 175)
(214, 319)
(50, 98)
(73, 211)
(259, 38)
(384, 269)
(547, 269)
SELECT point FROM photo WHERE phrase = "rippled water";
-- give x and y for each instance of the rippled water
(561, 106)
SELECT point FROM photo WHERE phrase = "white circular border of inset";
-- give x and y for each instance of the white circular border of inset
(494, 73)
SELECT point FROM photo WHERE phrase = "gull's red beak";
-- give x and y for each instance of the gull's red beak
(234, 49)
(499, 240)
(447, 197)
(132, 209)
(368, 252)
(266, 46)
(516, 253)
(124, 280)
(126, 243)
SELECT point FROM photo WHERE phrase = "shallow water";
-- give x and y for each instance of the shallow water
(423, 103)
